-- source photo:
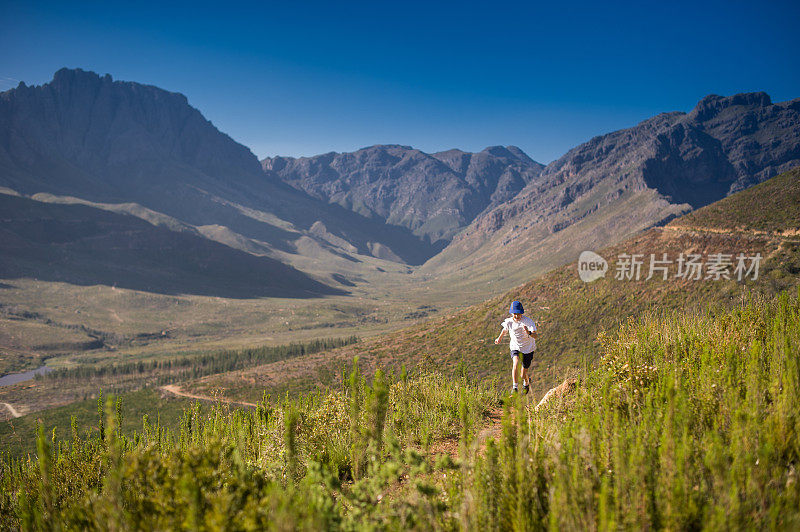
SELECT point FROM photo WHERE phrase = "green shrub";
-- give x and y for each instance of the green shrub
(689, 421)
(278, 466)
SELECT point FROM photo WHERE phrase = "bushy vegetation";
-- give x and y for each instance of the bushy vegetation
(689, 421)
(320, 461)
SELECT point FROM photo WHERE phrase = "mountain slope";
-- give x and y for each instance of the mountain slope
(618, 184)
(115, 142)
(434, 195)
(85, 246)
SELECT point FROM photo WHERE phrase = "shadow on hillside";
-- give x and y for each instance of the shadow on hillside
(700, 177)
(84, 246)
(341, 279)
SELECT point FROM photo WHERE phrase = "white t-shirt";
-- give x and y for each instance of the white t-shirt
(520, 341)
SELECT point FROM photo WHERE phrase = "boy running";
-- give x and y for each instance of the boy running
(522, 333)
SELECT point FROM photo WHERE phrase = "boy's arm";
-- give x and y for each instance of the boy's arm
(502, 333)
(533, 333)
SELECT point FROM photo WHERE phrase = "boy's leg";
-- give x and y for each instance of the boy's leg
(514, 368)
(527, 359)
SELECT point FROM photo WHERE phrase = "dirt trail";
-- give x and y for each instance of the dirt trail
(175, 390)
(490, 428)
(493, 427)
(788, 234)
(12, 410)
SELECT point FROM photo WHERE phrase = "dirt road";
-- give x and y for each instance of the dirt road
(175, 390)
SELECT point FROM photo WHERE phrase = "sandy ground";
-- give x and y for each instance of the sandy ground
(12, 410)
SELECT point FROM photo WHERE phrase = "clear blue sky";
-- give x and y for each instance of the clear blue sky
(302, 78)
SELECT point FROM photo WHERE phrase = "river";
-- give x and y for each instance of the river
(14, 378)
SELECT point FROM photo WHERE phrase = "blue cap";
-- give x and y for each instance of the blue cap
(516, 308)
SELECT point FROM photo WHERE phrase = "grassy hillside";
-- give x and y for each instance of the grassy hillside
(772, 206)
(690, 421)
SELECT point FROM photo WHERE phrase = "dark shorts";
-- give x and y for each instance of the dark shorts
(527, 358)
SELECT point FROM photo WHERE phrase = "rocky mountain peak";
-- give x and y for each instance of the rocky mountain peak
(519, 154)
(89, 134)
(387, 147)
(509, 153)
(710, 106)
(498, 151)
(275, 164)
(68, 76)
(791, 104)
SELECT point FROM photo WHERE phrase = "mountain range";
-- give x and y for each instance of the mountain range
(618, 184)
(146, 155)
(146, 152)
(435, 195)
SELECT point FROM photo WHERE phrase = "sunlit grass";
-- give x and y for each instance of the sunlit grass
(320, 458)
(689, 422)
